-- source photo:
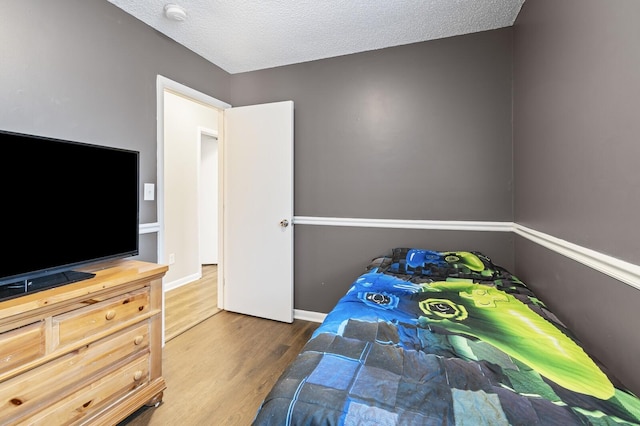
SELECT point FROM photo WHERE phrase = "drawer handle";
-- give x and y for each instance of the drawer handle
(138, 340)
(137, 375)
(110, 315)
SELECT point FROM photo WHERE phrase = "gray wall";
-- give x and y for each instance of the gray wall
(415, 132)
(421, 131)
(85, 70)
(576, 127)
(328, 259)
(602, 312)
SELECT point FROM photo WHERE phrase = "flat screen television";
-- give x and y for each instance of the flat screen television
(65, 204)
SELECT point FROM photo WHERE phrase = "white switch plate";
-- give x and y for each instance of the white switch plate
(149, 191)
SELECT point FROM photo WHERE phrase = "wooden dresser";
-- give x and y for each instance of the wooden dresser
(84, 353)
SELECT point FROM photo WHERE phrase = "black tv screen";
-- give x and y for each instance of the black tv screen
(64, 204)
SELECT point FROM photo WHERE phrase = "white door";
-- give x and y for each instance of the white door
(258, 210)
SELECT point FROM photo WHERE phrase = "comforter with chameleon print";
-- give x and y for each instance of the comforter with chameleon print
(444, 338)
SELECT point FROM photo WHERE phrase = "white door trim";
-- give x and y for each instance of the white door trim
(202, 132)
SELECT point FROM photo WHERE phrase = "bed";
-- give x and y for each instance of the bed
(427, 337)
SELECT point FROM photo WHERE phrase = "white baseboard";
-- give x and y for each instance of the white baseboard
(308, 315)
(182, 281)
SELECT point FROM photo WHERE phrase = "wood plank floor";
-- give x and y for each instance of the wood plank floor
(219, 371)
(191, 303)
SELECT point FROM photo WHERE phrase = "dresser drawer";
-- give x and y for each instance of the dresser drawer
(103, 391)
(21, 345)
(87, 353)
(101, 316)
(22, 394)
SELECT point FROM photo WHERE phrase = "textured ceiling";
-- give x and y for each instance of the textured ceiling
(247, 35)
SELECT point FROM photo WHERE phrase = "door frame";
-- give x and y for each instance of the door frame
(162, 84)
(202, 132)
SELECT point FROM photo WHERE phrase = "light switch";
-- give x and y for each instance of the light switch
(149, 192)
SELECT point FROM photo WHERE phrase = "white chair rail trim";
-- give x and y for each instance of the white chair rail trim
(620, 270)
(447, 225)
(148, 228)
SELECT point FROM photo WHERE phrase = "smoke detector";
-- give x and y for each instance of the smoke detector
(175, 12)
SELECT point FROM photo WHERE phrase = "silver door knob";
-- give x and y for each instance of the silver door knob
(284, 223)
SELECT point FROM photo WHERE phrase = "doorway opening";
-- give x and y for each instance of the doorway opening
(188, 203)
(257, 196)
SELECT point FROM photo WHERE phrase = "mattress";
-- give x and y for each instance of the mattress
(427, 337)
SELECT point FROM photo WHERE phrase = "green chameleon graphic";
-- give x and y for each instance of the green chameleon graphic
(505, 322)
(467, 259)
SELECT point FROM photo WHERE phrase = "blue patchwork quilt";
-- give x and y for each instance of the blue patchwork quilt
(444, 338)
